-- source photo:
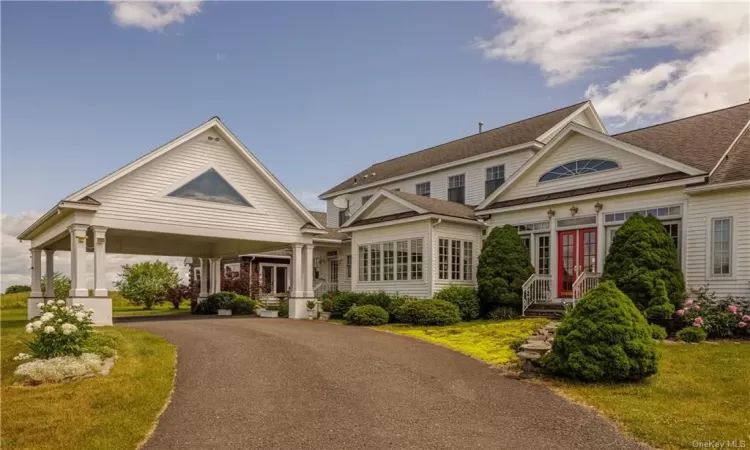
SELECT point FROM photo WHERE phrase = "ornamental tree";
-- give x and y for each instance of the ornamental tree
(503, 268)
(641, 254)
(147, 283)
(603, 338)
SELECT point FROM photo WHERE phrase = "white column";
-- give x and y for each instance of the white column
(100, 262)
(205, 270)
(297, 300)
(309, 271)
(78, 261)
(601, 240)
(49, 256)
(36, 295)
(553, 255)
(215, 268)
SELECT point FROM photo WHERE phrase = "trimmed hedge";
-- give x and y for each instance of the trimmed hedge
(428, 312)
(465, 297)
(239, 304)
(658, 332)
(604, 338)
(343, 301)
(367, 315)
(692, 334)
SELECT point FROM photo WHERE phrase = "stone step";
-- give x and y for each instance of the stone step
(543, 313)
(549, 306)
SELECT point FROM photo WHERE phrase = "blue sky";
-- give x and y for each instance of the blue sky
(316, 90)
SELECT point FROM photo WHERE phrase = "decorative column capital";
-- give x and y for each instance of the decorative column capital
(78, 230)
(297, 245)
(50, 252)
(99, 230)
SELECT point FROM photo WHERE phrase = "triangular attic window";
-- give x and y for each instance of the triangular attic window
(210, 187)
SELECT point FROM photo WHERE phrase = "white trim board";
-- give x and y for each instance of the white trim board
(575, 128)
(382, 193)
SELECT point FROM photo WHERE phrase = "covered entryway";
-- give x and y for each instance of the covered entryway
(202, 195)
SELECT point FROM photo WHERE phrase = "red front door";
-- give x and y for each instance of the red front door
(576, 252)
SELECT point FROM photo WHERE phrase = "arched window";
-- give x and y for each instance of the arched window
(579, 167)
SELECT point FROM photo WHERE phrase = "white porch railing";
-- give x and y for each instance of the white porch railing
(536, 288)
(324, 287)
(585, 282)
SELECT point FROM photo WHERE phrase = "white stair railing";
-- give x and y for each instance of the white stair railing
(584, 283)
(536, 288)
(323, 287)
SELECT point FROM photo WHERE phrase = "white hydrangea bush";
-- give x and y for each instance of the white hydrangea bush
(55, 370)
(60, 330)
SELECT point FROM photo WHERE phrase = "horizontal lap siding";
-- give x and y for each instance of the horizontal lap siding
(386, 207)
(130, 198)
(345, 283)
(701, 210)
(579, 147)
(447, 230)
(475, 180)
(417, 289)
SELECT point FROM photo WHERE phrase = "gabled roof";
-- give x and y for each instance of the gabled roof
(332, 233)
(698, 141)
(417, 204)
(513, 134)
(213, 122)
(736, 165)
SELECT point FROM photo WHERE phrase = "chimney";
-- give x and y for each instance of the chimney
(480, 126)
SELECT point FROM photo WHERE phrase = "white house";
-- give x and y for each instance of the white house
(414, 224)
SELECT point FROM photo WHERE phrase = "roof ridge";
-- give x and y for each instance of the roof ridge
(476, 134)
(682, 118)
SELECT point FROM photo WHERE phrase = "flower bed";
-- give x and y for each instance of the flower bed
(720, 318)
(57, 370)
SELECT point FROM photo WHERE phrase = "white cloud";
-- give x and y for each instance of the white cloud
(16, 262)
(311, 201)
(152, 15)
(568, 39)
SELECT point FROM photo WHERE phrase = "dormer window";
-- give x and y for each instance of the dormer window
(580, 167)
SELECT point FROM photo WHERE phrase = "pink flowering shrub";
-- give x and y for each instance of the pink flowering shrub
(718, 317)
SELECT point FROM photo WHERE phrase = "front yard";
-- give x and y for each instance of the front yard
(116, 411)
(701, 393)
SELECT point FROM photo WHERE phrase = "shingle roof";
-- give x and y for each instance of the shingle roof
(736, 166)
(333, 233)
(495, 139)
(698, 141)
(437, 206)
(588, 190)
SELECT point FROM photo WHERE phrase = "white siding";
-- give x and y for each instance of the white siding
(411, 288)
(581, 147)
(130, 198)
(475, 177)
(453, 231)
(345, 282)
(580, 119)
(701, 210)
(385, 207)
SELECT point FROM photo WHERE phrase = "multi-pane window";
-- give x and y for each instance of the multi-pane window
(375, 262)
(343, 216)
(456, 188)
(416, 259)
(402, 260)
(388, 260)
(348, 266)
(580, 167)
(721, 250)
(423, 189)
(542, 267)
(363, 260)
(365, 198)
(443, 259)
(455, 260)
(662, 213)
(495, 178)
(468, 260)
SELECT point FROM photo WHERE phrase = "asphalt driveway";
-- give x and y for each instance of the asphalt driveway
(247, 383)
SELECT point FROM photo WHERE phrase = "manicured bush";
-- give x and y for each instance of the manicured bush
(724, 317)
(692, 334)
(465, 297)
(660, 306)
(243, 304)
(368, 315)
(16, 288)
(326, 304)
(428, 312)
(657, 332)
(60, 330)
(214, 302)
(503, 313)
(641, 254)
(342, 301)
(503, 268)
(604, 338)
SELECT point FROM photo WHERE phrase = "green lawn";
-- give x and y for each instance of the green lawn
(113, 412)
(120, 306)
(485, 340)
(701, 393)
